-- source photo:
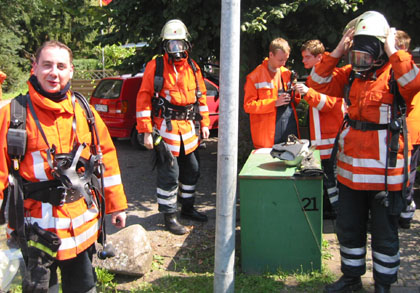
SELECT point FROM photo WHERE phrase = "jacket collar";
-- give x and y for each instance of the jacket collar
(180, 63)
(64, 106)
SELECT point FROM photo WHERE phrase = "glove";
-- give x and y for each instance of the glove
(162, 153)
(310, 166)
(42, 249)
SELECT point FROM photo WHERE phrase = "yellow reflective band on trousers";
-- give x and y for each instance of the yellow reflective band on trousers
(42, 247)
(158, 140)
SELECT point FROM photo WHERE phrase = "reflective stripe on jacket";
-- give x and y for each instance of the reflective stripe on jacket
(179, 88)
(75, 224)
(326, 114)
(261, 92)
(362, 155)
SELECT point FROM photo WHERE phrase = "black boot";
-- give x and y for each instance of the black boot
(189, 212)
(345, 284)
(404, 223)
(381, 288)
(172, 224)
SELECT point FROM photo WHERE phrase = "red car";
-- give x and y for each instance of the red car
(115, 100)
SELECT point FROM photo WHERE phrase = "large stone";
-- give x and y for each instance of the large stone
(133, 252)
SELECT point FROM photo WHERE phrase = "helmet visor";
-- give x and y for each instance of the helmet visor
(361, 61)
(176, 46)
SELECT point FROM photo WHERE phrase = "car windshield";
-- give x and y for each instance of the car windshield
(108, 89)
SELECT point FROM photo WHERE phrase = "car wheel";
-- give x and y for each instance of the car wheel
(136, 140)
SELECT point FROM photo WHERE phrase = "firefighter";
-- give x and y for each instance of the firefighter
(413, 124)
(61, 221)
(172, 102)
(269, 99)
(326, 114)
(373, 153)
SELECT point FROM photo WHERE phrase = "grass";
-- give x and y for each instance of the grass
(194, 273)
(326, 254)
(244, 283)
(105, 281)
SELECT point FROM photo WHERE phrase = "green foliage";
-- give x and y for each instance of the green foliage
(269, 282)
(314, 279)
(105, 280)
(72, 22)
(157, 263)
(191, 283)
(114, 55)
(142, 21)
(15, 289)
(25, 25)
(87, 64)
(326, 255)
(10, 95)
(10, 61)
(257, 283)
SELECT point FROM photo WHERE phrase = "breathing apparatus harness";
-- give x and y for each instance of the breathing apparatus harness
(74, 176)
(396, 127)
(168, 111)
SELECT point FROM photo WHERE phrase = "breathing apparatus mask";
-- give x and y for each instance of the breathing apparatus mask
(367, 54)
(176, 49)
(75, 172)
(360, 61)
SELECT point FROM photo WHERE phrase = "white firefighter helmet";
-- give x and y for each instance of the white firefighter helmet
(370, 23)
(174, 29)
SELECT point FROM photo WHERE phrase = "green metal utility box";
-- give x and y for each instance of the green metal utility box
(281, 216)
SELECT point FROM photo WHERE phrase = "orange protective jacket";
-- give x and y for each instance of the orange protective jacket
(261, 92)
(362, 154)
(179, 88)
(326, 115)
(75, 224)
(2, 78)
(413, 119)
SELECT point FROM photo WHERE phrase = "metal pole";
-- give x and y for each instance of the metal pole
(102, 49)
(227, 148)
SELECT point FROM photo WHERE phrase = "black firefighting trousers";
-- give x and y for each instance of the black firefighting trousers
(77, 274)
(330, 185)
(354, 207)
(177, 181)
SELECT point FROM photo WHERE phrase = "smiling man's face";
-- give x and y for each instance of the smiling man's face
(53, 69)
